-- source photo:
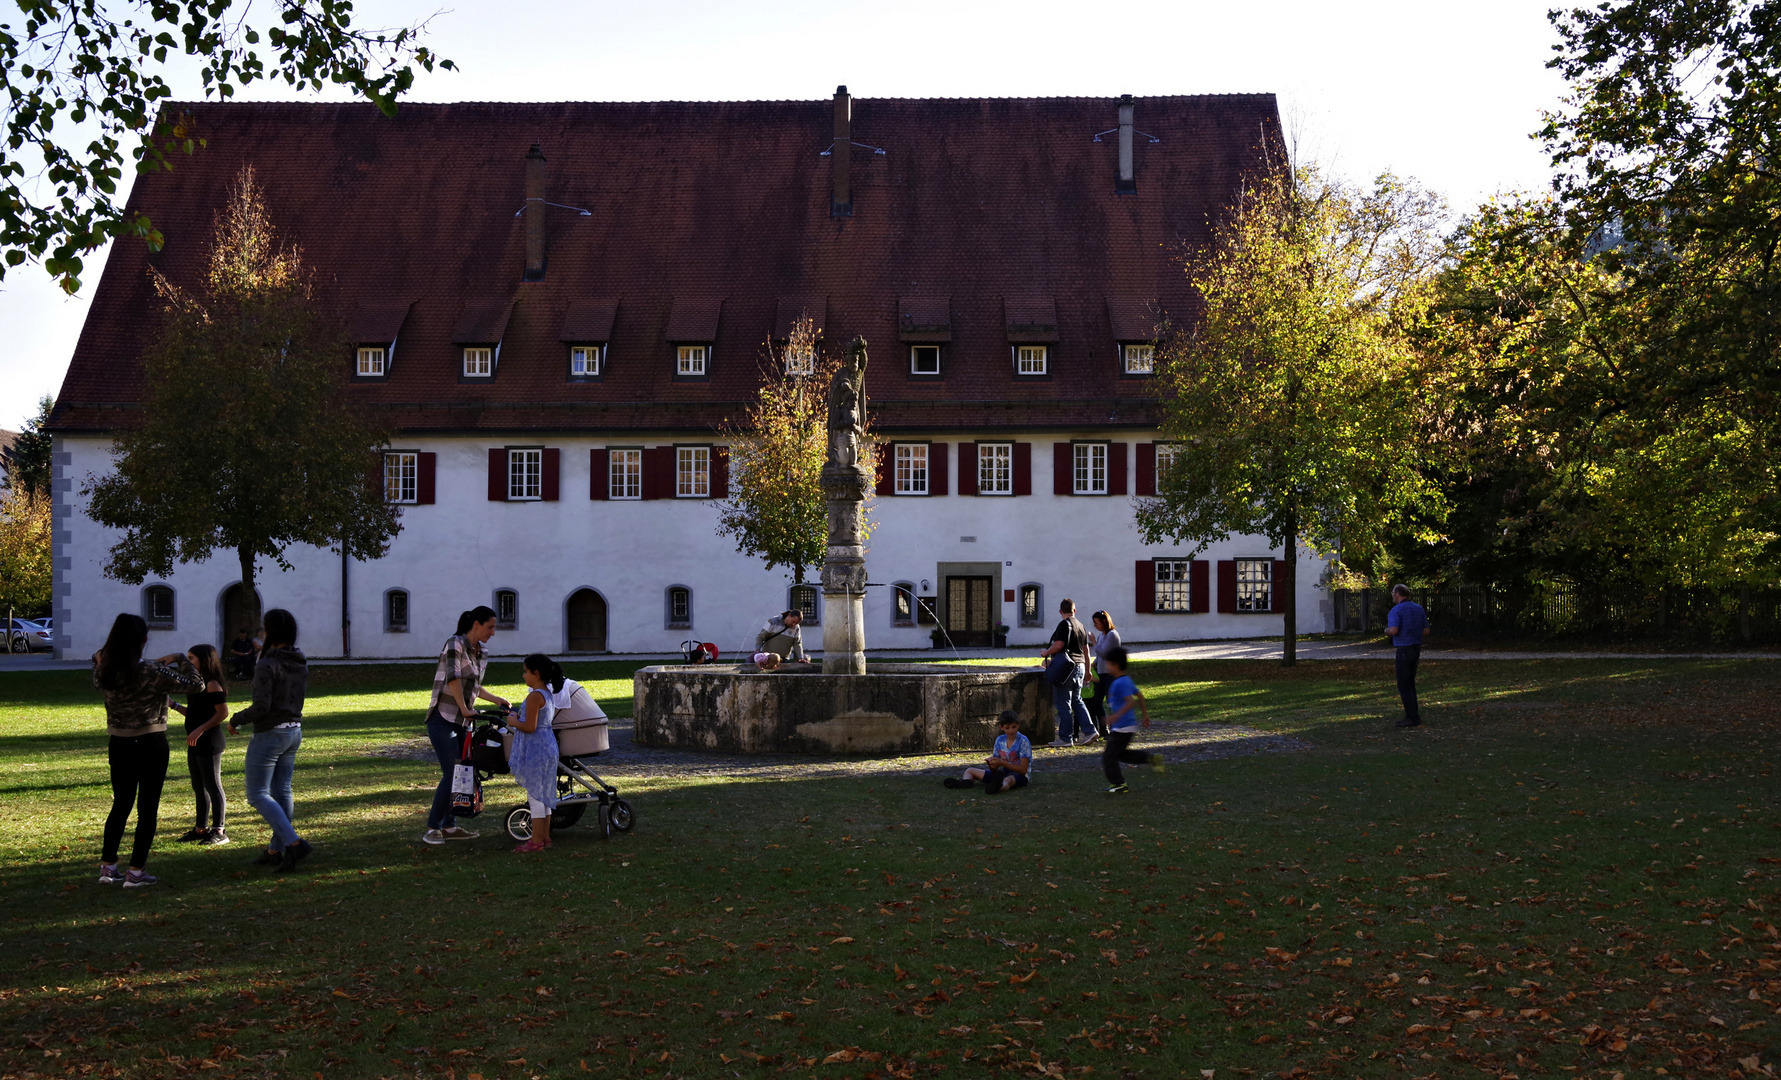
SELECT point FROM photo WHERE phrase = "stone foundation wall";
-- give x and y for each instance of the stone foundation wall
(892, 709)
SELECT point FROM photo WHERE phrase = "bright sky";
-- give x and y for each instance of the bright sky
(1445, 93)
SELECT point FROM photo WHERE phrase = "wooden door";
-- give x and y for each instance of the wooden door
(587, 622)
(241, 609)
(968, 611)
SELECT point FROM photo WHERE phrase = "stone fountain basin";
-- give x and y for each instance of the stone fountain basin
(891, 709)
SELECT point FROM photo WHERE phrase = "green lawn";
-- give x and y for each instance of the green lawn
(1569, 871)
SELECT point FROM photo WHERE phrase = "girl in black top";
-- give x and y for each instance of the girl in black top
(204, 712)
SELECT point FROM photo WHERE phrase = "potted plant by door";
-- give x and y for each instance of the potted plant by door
(1001, 635)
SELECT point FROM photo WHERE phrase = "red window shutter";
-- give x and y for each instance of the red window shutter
(498, 474)
(967, 468)
(426, 477)
(1116, 468)
(1023, 468)
(599, 466)
(887, 455)
(1145, 596)
(374, 481)
(1227, 586)
(720, 472)
(1063, 468)
(1281, 583)
(1146, 469)
(658, 472)
(1197, 600)
(550, 483)
(937, 468)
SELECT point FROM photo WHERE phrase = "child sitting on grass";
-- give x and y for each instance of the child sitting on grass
(1009, 761)
(1124, 703)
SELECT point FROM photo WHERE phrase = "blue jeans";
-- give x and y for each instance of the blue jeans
(448, 747)
(1072, 715)
(271, 758)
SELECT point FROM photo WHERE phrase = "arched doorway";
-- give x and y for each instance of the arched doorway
(587, 621)
(239, 609)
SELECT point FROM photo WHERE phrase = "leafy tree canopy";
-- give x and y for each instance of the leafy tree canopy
(69, 65)
(248, 441)
(28, 459)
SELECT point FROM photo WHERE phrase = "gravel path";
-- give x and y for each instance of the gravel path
(1177, 741)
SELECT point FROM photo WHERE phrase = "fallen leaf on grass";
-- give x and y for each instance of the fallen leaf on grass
(842, 941)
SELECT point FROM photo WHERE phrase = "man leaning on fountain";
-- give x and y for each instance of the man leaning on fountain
(782, 635)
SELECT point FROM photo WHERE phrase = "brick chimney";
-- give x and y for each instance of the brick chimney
(535, 214)
(841, 155)
(1126, 184)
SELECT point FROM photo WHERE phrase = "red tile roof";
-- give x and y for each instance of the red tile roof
(715, 214)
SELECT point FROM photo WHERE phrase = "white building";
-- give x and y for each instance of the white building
(557, 375)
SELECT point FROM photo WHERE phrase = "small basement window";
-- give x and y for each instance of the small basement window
(680, 607)
(506, 609)
(157, 606)
(807, 600)
(395, 611)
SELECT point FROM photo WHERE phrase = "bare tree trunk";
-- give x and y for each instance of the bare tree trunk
(1290, 654)
(246, 613)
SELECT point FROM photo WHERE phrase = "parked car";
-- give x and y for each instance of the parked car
(23, 635)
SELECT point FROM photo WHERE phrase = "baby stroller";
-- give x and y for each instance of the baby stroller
(581, 731)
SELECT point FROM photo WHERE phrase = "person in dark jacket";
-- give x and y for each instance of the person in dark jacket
(136, 719)
(281, 679)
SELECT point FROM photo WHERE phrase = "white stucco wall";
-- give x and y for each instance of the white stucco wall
(455, 553)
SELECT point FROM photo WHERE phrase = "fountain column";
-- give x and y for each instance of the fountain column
(845, 484)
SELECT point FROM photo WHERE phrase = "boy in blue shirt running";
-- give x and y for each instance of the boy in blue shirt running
(1125, 703)
(1008, 764)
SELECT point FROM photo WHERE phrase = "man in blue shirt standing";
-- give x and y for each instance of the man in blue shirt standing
(1406, 624)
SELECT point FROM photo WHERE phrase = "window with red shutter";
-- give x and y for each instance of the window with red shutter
(1063, 468)
(1116, 463)
(498, 474)
(1023, 468)
(720, 472)
(1227, 586)
(428, 479)
(599, 467)
(1144, 601)
(937, 468)
(551, 485)
(886, 484)
(658, 472)
(1146, 469)
(1281, 583)
(1197, 586)
(967, 468)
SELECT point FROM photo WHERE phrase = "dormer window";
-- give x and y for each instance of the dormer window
(585, 361)
(373, 362)
(479, 362)
(1032, 359)
(924, 359)
(692, 359)
(1140, 359)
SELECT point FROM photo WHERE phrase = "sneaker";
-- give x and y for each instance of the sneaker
(958, 783)
(1091, 738)
(1117, 789)
(109, 874)
(433, 836)
(216, 838)
(1408, 722)
(139, 879)
(196, 835)
(303, 847)
(1060, 742)
(1156, 763)
(268, 857)
(293, 854)
(457, 833)
(992, 787)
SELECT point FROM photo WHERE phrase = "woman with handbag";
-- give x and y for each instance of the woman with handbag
(457, 682)
(1066, 665)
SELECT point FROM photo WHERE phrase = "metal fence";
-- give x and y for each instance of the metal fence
(1747, 615)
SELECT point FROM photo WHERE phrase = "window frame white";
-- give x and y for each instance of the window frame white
(401, 472)
(390, 625)
(1032, 361)
(1143, 354)
(1173, 593)
(992, 480)
(904, 469)
(624, 473)
(581, 354)
(1249, 585)
(526, 465)
(366, 369)
(484, 358)
(1082, 468)
(1167, 455)
(694, 482)
(507, 619)
(692, 361)
(914, 367)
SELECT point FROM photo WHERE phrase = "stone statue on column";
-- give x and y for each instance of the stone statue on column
(845, 484)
